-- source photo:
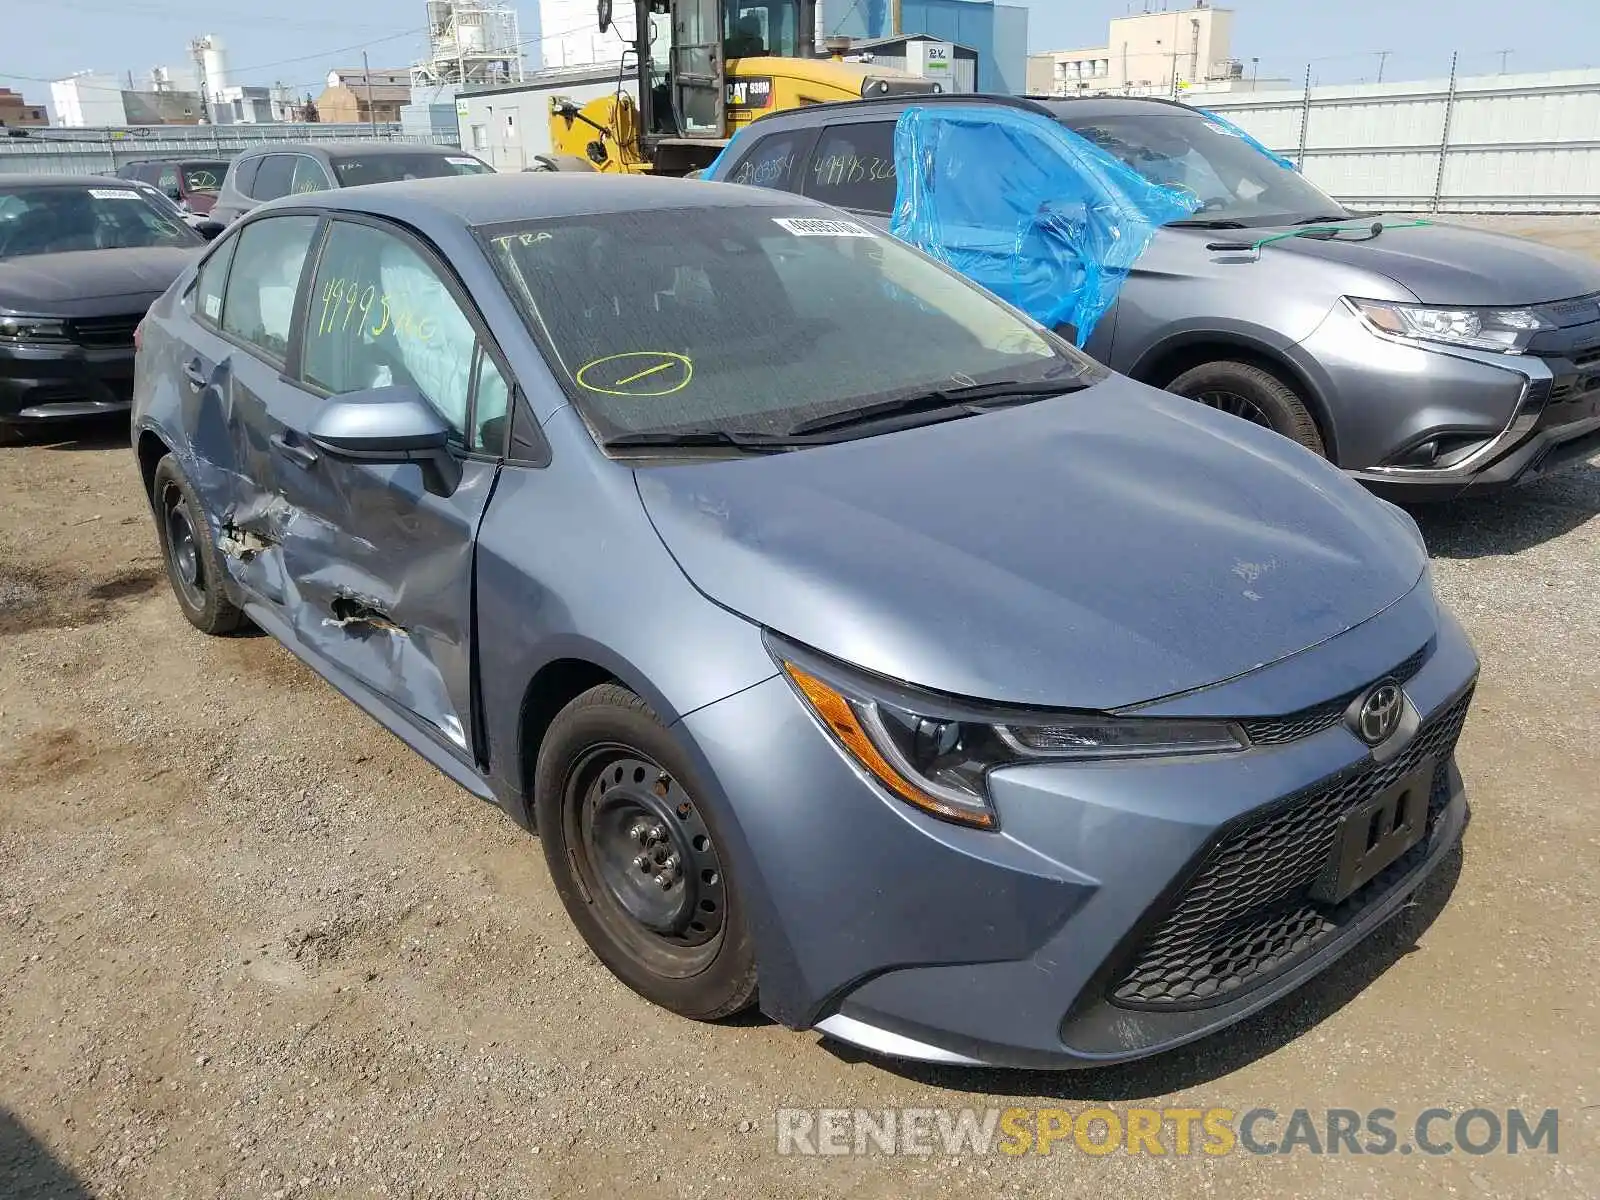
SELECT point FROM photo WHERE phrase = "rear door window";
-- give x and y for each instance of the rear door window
(309, 176)
(275, 177)
(244, 177)
(853, 167)
(259, 306)
(774, 161)
(208, 288)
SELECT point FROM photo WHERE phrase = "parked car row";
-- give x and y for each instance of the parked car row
(858, 646)
(83, 257)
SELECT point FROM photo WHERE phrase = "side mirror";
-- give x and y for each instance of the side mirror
(389, 425)
(603, 11)
(209, 229)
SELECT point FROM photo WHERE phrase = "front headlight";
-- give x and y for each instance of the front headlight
(936, 753)
(1507, 330)
(32, 329)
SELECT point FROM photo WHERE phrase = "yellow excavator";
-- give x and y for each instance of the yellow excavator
(697, 72)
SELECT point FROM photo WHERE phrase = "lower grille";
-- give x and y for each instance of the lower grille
(103, 331)
(1248, 913)
(1275, 731)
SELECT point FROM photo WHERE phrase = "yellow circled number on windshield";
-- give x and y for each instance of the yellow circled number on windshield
(640, 373)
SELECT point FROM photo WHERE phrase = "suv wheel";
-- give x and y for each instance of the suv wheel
(1254, 393)
(637, 860)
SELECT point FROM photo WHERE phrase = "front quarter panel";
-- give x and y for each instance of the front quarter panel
(569, 567)
(1180, 291)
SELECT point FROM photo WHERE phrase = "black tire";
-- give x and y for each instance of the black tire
(194, 564)
(608, 769)
(1254, 393)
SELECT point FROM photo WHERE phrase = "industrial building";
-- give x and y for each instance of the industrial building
(1164, 51)
(353, 96)
(16, 112)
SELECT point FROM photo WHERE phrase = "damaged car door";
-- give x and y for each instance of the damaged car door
(378, 556)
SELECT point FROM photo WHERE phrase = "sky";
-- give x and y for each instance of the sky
(297, 41)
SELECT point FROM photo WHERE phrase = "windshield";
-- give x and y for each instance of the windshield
(378, 167)
(52, 220)
(203, 176)
(1233, 179)
(755, 319)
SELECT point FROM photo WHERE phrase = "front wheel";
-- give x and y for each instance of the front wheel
(1255, 394)
(637, 859)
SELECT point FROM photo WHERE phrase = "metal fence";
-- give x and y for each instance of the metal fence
(101, 151)
(1478, 144)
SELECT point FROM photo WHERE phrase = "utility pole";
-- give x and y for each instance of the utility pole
(372, 113)
(1383, 57)
(1504, 55)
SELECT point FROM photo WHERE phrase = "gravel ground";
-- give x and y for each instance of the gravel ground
(250, 946)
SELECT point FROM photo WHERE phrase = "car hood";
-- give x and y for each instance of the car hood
(73, 284)
(1110, 547)
(1452, 264)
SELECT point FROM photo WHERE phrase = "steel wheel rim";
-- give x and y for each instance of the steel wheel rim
(647, 860)
(1234, 405)
(183, 548)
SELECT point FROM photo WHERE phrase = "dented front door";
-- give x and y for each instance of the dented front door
(379, 570)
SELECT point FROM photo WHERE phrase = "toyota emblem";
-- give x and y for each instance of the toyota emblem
(1379, 715)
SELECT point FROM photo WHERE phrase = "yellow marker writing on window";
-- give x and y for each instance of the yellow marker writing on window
(637, 373)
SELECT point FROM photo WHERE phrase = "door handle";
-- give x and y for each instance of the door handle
(300, 456)
(195, 373)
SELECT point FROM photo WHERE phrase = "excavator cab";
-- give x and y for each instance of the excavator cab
(682, 51)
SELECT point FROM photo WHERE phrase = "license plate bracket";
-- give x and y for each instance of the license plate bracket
(1373, 835)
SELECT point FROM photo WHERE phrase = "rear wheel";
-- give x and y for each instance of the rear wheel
(194, 564)
(1245, 390)
(637, 860)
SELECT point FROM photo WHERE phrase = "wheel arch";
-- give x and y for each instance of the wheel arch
(1165, 361)
(150, 448)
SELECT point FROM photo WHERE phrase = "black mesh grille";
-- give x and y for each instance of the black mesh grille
(1275, 731)
(104, 331)
(1248, 913)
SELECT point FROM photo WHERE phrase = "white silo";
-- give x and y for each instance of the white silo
(214, 60)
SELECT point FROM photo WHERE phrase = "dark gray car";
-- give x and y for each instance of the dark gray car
(1423, 359)
(852, 641)
(267, 172)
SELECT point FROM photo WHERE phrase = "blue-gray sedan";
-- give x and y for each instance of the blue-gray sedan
(850, 640)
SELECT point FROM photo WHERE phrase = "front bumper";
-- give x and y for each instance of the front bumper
(911, 937)
(40, 383)
(1515, 418)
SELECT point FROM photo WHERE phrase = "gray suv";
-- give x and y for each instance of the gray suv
(267, 172)
(1423, 358)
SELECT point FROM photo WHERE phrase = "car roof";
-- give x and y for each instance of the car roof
(353, 146)
(520, 196)
(1056, 107)
(214, 156)
(24, 179)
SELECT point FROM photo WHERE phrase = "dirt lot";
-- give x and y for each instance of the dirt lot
(251, 946)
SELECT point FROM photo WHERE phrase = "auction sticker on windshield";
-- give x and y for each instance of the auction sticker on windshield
(823, 227)
(114, 194)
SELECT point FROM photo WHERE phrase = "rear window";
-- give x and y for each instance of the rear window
(378, 167)
(203, 176)
(753, 319)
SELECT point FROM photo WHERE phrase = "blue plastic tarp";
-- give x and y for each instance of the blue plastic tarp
(1023, 206)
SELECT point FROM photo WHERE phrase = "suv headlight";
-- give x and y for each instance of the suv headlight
(1504, 329)
(936, 753)
(32, 329)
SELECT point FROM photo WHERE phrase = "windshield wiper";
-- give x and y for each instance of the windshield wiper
(1215, 223)
(1320, 220)
(751, 440)
(960, 401)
